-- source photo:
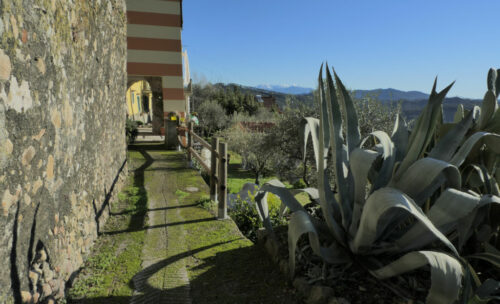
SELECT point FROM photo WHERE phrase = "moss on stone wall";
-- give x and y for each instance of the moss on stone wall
(62, 144)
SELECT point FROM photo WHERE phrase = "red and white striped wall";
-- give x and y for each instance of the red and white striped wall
(155, 48)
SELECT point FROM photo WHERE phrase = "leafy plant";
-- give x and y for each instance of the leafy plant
(399, 205)
(212, 117)
(206, 203)
(245, 215)
(131, 130)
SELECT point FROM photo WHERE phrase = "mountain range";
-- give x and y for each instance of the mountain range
(412, 102)
(292, 89)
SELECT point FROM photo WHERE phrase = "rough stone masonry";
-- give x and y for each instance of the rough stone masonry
(62, 141)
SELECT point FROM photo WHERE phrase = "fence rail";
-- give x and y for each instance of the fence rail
(217, 170)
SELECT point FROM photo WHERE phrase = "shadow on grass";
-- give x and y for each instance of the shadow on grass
(135, 228)
(242, 275)
(235, 171)
(138, 216)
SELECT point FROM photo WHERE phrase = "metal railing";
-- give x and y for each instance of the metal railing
(217, 169)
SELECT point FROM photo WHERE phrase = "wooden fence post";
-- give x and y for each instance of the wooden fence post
(222, 181)
(190, 141)
(214, 164)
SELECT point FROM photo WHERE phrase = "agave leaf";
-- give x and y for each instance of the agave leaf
(474, 177)
(446, 273)
(263, 210)
(468, 224)
(491, 140)
(331, 209)
(497, 84)
(477, 176)
(344, 183)
(494, 125)
(388, 156)
(279, 189)
(353, 135)
(488, 109)
(491, 258)
(451, 206)
(361, 162)
(400, 137)
(374, 220)
(448, 145)
(323, 108)
(491, 80)
(471, 280)
(490, 249)
(459, 114)
(424, 129)
(421, 180)
(312, 192)
(300, 223)
(309, 127)
(485, 292)
(313, 196)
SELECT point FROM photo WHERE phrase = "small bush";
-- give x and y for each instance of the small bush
(131, 130)
(246, 217)
(206, 203)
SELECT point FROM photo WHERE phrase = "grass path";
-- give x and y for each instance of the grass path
(176, 252)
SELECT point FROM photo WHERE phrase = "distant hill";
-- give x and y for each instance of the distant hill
(411, 109)
(293, 90)
(412, 102)
(391, 94)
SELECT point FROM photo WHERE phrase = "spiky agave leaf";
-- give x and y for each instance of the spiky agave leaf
(381, 207)
(424, 129)
(343, 179)
(310, 129)
(451, 206)
(488, 109)
(300, 223)
(361, 163)
(446, 273)
(486, 292)
(459, 114)
(388, 156)
(491, 140)
(450, 142)
(400, 137)
(425, 176)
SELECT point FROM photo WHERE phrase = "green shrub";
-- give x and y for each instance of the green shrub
(206, 203)
(246, 217)
(131, 130)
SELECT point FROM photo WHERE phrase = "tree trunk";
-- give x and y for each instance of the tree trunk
(257, 178)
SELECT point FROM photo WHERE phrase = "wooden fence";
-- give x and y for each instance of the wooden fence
(217, 169)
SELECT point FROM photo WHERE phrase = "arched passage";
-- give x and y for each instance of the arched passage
(144, 100)
(140, 102)
(154, 51)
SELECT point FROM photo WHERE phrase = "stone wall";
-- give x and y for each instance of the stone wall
(62, 141)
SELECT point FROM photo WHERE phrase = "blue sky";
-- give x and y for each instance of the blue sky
(401, 44)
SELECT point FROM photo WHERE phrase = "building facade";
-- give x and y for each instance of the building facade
(154, 54)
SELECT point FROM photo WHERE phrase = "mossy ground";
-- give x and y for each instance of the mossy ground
(114, 258)
(222, 266)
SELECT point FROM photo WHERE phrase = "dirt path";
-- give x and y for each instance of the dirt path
(159, 281)
(183, 253)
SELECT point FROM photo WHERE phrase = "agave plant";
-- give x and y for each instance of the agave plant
(399, 205)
